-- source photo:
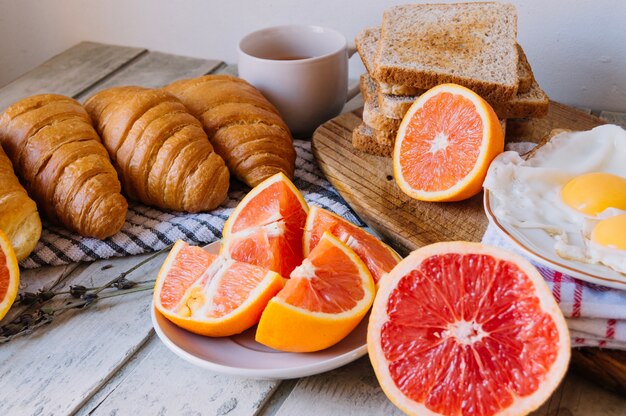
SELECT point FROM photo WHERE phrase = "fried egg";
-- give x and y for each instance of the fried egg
(573, 188)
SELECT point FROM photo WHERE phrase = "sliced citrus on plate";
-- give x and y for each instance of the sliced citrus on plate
(9, 275)
(466, 329)
(445, 144)
(266, 227)
(378, 256)
(323, 301)
(212, 295)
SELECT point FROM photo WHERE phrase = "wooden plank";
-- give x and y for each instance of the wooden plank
(614, 117)
(366, 183)
(354, 390)
(348, 391)
(172, 386)
(70, 72)
(154, 70)
(57, 368)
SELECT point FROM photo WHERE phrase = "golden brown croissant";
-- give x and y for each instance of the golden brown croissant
(63, 165)
(246, 130)
(19, 218)
(160, 151)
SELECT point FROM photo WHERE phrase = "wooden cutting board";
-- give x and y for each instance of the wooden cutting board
(366, 183)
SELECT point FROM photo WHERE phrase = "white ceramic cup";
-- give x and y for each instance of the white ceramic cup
(302, 70)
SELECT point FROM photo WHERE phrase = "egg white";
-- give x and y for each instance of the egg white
(526, 193)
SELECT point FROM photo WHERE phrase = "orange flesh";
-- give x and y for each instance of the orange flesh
(275, 204)
(235, 287)
(4, 276)
(336, 286)
(426, 165)
(504, 352)
(376, 256)
(189, 269)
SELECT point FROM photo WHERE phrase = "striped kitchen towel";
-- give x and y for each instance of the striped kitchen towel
(149, 229)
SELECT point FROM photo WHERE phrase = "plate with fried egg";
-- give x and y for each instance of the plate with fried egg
(565, 203)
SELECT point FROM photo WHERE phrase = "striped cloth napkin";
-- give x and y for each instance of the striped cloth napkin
(596, 315)
(148, 229)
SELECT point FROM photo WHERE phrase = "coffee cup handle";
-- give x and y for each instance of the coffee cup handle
(354, 91)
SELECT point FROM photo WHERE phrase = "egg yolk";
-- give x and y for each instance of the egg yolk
(592, 193)
(611, 232)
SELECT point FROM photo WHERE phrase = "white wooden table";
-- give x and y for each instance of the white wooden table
(106, 359)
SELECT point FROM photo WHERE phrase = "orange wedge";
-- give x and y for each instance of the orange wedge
(265, 229)
(325, 299)
(9, 275)
(212, 295)
(378, 256)
(445, 144)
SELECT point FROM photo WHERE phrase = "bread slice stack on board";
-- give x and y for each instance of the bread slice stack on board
(420, 46)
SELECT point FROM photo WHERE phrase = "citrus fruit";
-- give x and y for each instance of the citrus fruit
(266, 227)
(445, 144)
(9, 275)
(465, 329)
(377, 256)
(323, 301)
(210, 294)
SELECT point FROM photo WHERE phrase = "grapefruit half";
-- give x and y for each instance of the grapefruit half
(465, 329)
(9, 275)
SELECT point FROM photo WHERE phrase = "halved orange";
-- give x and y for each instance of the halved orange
(265, 229)
(466, 329)
(378, 256)
(9, 275)
(325, 299)
(212, 295)
(445, 144)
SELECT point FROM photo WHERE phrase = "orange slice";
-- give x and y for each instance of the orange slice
(325, 299)
(378, 256)
(212, 295)
(445, 144)
(9, 275)
(266, 227)
(465, 329)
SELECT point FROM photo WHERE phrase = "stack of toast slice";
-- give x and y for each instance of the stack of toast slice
(422, 45)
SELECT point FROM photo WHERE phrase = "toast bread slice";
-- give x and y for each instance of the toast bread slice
(363, 139)
(385, 127)
(471, 44)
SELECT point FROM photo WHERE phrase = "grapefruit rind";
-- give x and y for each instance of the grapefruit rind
(279, 177)
(473, 181)
(14, 274)
(287, 327)
(521, 405)
(243, 317)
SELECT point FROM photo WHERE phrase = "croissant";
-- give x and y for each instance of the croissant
(63, 165)
(245, 128)
(160, 151)
(19, 218)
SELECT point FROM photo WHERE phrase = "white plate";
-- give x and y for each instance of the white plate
(540, 247)
(241, 355)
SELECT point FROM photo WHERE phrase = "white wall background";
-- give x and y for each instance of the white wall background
(577, 48)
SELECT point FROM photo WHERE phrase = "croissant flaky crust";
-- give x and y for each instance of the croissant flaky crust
(159, 149)
(19, 218)
(63, 165)
(245, 128)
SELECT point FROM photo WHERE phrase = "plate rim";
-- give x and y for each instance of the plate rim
(563, 268)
